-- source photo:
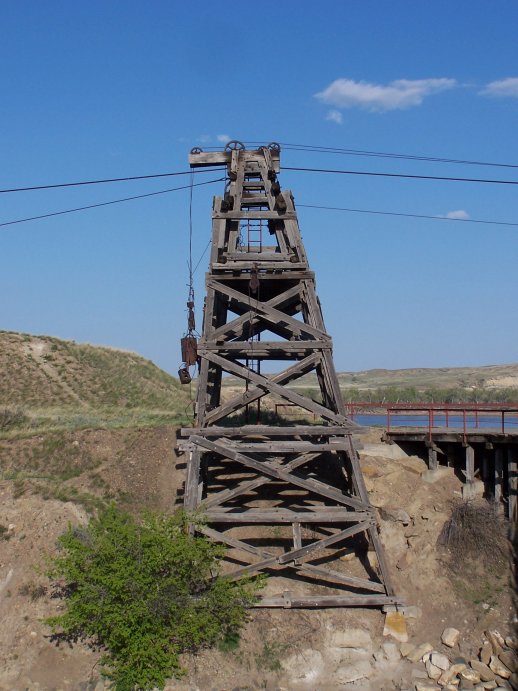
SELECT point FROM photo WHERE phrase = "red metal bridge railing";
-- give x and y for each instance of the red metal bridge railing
(470, 416)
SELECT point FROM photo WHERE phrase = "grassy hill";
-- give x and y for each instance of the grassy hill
(67, 383)
(486, 377)
(490, 383)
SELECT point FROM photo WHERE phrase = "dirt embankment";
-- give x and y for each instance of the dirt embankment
(279, 649)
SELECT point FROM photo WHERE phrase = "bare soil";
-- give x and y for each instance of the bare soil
(279, 649)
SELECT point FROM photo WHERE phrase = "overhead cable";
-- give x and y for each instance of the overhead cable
(113, 201)
(400, 175)
(100, 182)
(309, 148)
(395, 213)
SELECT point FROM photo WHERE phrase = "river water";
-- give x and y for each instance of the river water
(439, 420)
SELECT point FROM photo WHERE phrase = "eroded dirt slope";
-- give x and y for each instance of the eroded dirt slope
(279, 649)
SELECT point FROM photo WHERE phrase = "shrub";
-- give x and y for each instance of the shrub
(145, 591)
(475, 533)
(11, 417)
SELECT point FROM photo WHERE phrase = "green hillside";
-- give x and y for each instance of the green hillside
(51, 378)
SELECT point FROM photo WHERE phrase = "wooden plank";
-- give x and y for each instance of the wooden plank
(217, 536)
(235, 327)
(264, 348)
(303, 553)
(344, 579)
(268, 431)
(323, 601)
(512, 475)
(231, 265)
(286, 275)
(254, 215)
(260, 255)
(270, 346)
(277, 516)
(191, 482)
(212, 158)
(297, 535)
(380, 555)
(280, 447)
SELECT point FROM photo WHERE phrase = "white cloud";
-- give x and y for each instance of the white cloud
(335, 116)
(502, 87)
(399, 94)
(459, 215)
(223, 138)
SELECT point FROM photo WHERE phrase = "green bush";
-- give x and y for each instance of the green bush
(145, 591)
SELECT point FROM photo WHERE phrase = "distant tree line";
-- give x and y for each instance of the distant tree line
(410, 394)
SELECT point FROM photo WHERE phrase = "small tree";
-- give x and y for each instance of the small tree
(145, 592)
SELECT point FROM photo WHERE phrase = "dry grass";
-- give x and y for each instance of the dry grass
(65, 385)
(475, 532)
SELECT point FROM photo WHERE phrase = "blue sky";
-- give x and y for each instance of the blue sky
(110, 89)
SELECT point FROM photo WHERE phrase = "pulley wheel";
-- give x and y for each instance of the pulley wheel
(234, 145)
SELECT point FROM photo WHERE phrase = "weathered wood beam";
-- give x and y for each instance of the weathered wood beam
(268, 312)
(241, 400)
(269, 386)
(323, 601)
(268, 431)
(235, 327)
(314, 486)
(343, 578)
(267, 348)
(303, 553)
(273, 515)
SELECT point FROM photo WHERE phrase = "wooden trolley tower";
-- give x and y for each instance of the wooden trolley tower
(286, 500)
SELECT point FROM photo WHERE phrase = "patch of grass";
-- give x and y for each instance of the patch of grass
(230, 642)
(11, 418)
(32, 590)
(270, 656)
(19, 487)
(4, 532)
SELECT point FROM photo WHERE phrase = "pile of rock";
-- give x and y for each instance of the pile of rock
(495, 667)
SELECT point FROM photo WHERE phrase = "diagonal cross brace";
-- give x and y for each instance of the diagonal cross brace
(271, 387)
(311, 485)
(267, 312)
(293, 372)
(293, 555)
(236, 326)
(345, 579)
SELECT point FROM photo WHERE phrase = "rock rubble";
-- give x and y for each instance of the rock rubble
(495, 668)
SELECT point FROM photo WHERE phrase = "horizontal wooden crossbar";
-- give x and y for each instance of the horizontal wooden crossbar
(319, 515)
(268, 431)
(290, 601)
